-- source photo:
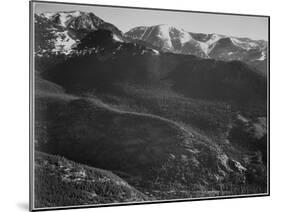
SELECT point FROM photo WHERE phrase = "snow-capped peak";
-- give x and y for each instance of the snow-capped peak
(62, 18)
(73, 18)
(169, 31)
(66, 29)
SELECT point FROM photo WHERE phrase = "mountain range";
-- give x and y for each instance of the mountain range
(221, 47)
(62, 31)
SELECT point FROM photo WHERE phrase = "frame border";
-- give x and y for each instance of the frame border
(31, 113)
(31, 107)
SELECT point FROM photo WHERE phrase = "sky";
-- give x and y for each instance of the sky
(125, 19)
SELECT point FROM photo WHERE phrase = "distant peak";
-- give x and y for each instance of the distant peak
(166, 26)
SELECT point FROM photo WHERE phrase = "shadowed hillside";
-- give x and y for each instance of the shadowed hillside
(60, 182)
(111, 139)
(132, 63)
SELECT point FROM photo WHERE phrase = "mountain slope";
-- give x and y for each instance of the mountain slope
(168, 38)
(111, 139)
(188, 75)
(61, 182)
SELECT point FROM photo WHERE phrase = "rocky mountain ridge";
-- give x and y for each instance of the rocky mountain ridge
(215, 46)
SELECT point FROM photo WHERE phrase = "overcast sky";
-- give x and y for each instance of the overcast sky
(125, 19)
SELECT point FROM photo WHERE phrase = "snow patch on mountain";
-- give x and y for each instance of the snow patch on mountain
(211, 43)
(63, 43)
(64, 18)
(213, 39)
(204, 47)
(144, 31)
(185, 36)
(164, 34)
(238, 43)
(47, 15)
(263, 57)
(155, 52)
(247, 45)
(116, 38)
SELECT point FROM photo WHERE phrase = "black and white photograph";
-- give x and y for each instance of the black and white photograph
(139, 105)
